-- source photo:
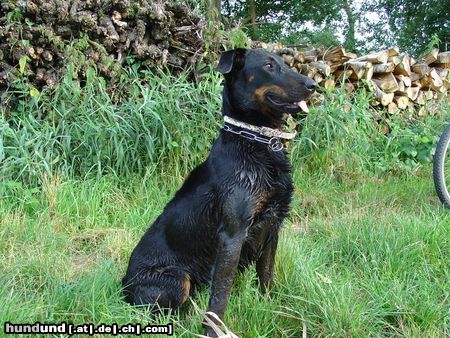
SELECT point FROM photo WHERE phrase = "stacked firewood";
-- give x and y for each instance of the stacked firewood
(39, 38)
(398, 81)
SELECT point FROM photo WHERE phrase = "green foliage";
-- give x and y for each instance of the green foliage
(411, 144)
(15, 15)
(364, 257)
(23, 63)
(325, 37)
(414, 23)
(434, 43)
(365, 26)
(276, 19)
(153, 119)
(79, 130)
(238, 38)
(341, 135)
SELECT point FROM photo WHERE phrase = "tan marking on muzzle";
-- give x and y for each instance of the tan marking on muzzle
(261, 91)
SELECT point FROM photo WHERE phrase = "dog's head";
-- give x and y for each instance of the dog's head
(260, 88)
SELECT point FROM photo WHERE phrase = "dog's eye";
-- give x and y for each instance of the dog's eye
(268, 65)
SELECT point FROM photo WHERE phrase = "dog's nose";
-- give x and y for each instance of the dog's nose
(311, 85)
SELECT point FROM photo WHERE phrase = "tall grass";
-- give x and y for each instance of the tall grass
(153, 121)
(82, 130)
(345, 133)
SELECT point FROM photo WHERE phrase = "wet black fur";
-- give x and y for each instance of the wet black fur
(230, 209)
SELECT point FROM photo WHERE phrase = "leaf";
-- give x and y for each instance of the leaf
(34, 92)
(410, 151)
(22, 63)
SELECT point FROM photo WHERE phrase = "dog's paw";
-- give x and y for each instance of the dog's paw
(214, 327)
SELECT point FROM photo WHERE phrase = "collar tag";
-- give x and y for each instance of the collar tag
(275, 144)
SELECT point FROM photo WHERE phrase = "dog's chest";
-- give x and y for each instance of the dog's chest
(268, 209)
(270, 202)
(269, 185)
(262, 200)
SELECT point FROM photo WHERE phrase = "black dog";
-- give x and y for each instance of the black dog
(230, 209)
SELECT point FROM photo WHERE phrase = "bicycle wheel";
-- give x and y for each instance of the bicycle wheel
(441, 168)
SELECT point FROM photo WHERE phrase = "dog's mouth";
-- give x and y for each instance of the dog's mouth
(292, 107)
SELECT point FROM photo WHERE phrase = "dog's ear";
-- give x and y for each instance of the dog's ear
(231, 60)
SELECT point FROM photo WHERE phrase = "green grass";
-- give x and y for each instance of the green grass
(359, 256)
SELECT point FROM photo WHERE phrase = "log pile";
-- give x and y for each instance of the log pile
(398, 81)
(39, 38)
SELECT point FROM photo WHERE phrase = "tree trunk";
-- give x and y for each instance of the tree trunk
(252, 11)
(350, 41)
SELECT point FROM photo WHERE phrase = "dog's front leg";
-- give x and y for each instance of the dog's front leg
(225, 267)
(232, 234)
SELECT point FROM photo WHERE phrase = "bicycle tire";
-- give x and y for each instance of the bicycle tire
(441, 156)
